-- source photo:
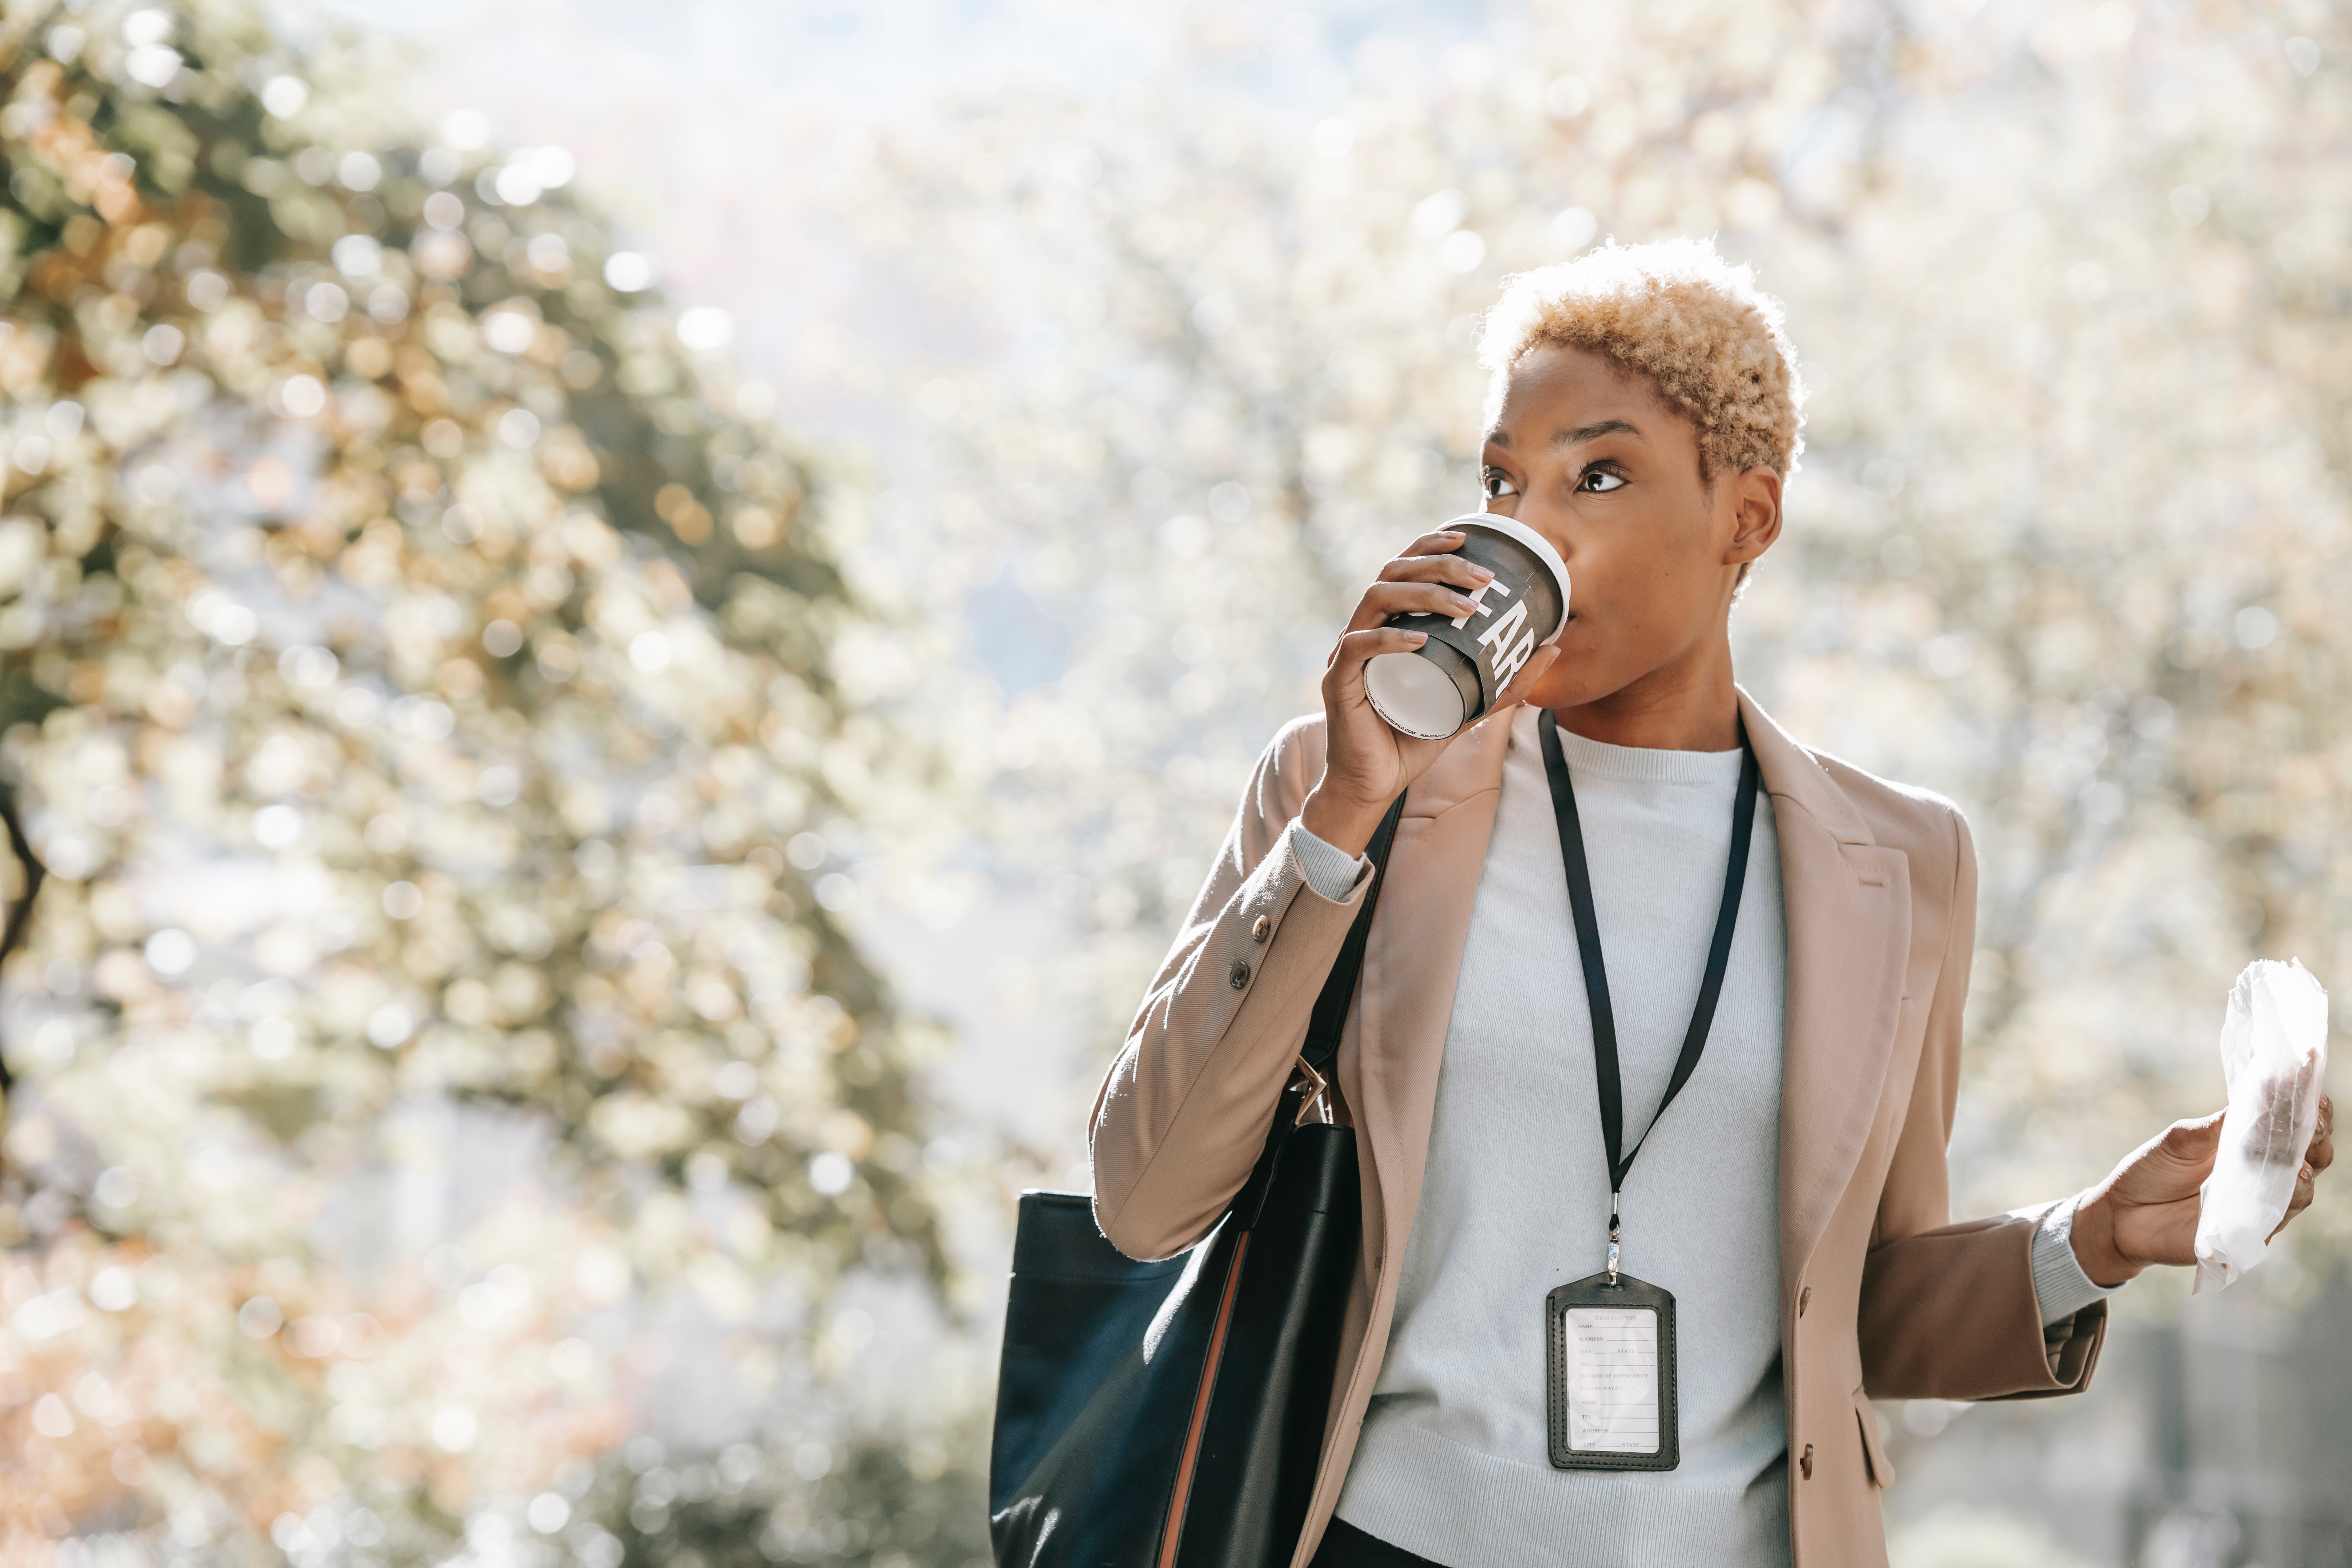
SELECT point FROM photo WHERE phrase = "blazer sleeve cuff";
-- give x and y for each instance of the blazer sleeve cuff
(1952, 1313)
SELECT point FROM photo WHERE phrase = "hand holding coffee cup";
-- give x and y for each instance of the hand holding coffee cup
(1459, 674)
(1478, 571)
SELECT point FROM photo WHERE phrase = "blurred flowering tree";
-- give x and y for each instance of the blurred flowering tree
(2068, 540)
(421, 676)
(429, 684)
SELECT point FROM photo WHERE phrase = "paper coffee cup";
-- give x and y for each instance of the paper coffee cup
(1456, 677)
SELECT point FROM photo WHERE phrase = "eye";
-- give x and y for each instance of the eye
(1496, 484)
(1600, 481)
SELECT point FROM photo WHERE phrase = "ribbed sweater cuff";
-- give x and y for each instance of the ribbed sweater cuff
(1329, 869)
(2059, 1282)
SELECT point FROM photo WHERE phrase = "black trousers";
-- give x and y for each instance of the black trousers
(1345, 1546)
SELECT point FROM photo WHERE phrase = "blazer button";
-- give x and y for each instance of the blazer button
(1806, 1463)
(1259, 927)
(1804, 1299)
(1239, 976)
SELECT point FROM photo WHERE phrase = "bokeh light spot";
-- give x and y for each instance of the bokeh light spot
(628, 271)
(705, 327)
(259, 1318)
(831, 1173)
(284, 96)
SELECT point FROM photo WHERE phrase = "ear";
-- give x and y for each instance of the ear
(1754, 499)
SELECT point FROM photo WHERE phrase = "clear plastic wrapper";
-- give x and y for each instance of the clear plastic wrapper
(2274, 1057)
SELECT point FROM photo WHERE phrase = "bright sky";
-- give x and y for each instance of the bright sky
(697, 121)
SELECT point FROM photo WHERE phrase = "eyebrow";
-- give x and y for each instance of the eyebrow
(1577, 436)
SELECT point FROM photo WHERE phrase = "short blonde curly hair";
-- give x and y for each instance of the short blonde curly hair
(1678, 313)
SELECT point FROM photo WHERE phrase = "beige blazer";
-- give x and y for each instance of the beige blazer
(1880, 1293)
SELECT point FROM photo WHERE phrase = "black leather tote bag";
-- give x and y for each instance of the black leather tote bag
(1170, 1415)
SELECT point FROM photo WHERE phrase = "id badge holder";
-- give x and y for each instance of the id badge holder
(1612, 1353)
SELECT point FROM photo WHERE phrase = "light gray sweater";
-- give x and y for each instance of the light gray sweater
(1452, 1463)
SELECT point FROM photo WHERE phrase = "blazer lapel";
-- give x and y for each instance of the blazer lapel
(1847, 906)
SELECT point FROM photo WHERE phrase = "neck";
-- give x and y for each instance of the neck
(1689, 705)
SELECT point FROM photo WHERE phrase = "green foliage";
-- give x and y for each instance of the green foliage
(414, 677)
(741, 1509)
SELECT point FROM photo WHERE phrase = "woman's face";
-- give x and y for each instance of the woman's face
(1593, 459)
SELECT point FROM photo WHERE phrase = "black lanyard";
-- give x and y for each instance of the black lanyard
(1596, 976)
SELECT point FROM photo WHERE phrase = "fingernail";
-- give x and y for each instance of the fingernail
(1483, 573)
(1463, 603)
(1418, 638)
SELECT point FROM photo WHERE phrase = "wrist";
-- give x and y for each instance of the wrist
(2092, 1236)
(1344, 825)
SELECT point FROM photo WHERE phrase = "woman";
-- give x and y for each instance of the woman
(1791, 1198)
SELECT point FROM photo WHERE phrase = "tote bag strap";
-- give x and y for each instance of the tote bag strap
(1330, 1016)
(1323, 1027)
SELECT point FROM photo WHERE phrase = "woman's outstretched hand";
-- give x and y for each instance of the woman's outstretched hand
(1366, 764)
(2146, 1211)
